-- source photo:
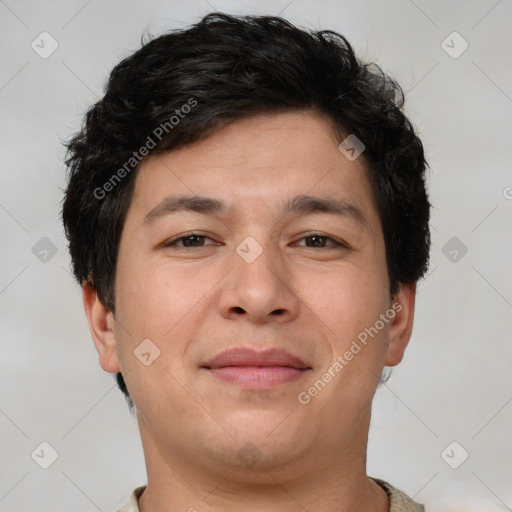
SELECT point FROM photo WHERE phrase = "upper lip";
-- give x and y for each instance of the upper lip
(250, 357)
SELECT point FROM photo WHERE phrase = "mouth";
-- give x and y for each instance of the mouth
(251, 369)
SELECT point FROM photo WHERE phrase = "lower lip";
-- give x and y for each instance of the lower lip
(257, 377)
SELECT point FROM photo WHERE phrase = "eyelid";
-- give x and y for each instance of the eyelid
(337, 242)
(174, 240)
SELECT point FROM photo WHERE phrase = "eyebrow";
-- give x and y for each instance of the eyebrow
(302, 204)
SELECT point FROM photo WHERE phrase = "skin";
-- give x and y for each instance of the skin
(307, 296)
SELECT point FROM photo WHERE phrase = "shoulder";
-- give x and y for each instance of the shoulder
(133, 503)
(399, 501)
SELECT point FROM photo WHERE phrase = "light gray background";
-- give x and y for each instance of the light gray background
(455, 383)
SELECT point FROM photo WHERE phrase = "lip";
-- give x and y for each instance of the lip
(250, 357)
(252, 369)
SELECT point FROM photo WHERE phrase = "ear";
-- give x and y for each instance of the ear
(102, 326)
(401, 326)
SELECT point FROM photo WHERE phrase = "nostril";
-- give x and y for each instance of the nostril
(277, 312)
(238, 309)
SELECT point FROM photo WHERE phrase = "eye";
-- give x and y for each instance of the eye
(191, 240)
(319, 241)
(196, 240)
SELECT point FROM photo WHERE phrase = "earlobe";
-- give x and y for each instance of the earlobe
(102, 327)
(401, 325)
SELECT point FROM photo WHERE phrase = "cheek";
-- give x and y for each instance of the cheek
(346, 300)
(158, 301)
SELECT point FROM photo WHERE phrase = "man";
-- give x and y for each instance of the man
(247, 216)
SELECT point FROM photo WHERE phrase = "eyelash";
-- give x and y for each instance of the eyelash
(336, 243)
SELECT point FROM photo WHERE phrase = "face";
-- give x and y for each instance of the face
(264, 241)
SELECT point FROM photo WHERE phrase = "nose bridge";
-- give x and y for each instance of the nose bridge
(258, 261)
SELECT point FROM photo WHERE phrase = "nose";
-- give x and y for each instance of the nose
(259, 291)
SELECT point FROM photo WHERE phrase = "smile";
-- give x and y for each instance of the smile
(257, 377)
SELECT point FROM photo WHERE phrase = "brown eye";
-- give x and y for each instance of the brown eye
(318, 241)
(191, 240)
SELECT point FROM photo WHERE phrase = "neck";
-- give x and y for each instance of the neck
(336, 481)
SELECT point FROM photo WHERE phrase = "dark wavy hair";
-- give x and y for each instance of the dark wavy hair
(234, 67)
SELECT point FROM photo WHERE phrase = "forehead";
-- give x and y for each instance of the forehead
(258, 163)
